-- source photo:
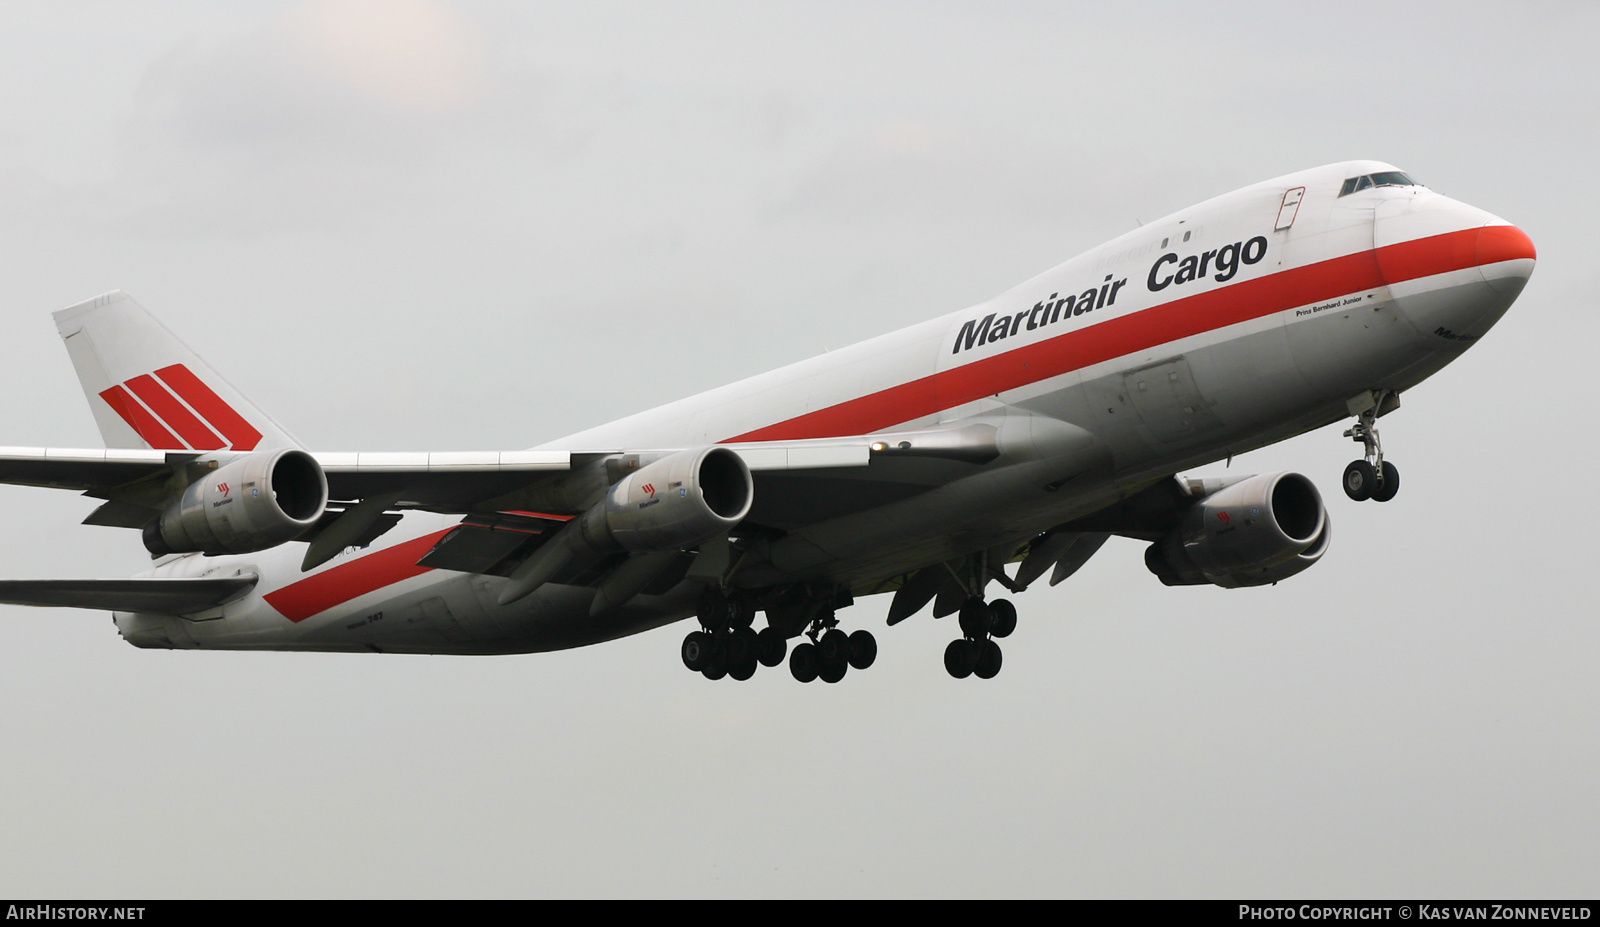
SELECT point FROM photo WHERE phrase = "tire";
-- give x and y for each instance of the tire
(961, 658)
(1005, 618)
(975, 619)
(863, 649)
(988, 661)
(743, 671)
(740, 647)
(1359, 480)
(712, 609)
(803, 662)
(771, 648)
(1386, 490)
(834, 647)
(831, 671)
(697, 650)
(717, 668)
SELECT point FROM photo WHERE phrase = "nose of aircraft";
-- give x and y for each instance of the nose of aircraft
(1453, 270)
(1505, 259)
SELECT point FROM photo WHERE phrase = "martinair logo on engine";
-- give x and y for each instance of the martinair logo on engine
(223, 488)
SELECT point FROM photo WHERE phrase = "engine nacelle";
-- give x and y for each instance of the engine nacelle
(1253, 533)
(675, 503)
(252, 503)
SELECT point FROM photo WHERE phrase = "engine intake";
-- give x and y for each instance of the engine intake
(674, 503)
(254, 502)
(1253, 533)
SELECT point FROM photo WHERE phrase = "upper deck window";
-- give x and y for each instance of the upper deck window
(1379, 179)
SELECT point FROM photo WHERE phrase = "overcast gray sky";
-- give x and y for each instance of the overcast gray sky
(412, 225)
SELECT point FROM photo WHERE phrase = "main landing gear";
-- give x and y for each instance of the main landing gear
(976, 653)
(831, 653)
(1372, 477)
(726, 645)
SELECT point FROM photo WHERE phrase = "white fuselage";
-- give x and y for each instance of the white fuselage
(1235, 323)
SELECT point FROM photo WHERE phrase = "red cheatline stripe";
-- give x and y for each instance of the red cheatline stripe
(221, 416)
(369, 573)
(140, 420)
(1498, 243)
(171, 411)
(1181, 318)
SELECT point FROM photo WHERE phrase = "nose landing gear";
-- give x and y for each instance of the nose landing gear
(1372, 477)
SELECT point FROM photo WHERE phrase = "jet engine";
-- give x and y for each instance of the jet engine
(1252, 533)
(674, 503)
(251, 503)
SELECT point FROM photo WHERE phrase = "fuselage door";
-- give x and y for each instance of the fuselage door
(1289, 208)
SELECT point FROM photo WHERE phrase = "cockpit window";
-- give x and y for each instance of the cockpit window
(1379, 179)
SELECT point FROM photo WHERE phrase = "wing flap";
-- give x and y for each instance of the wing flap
(494, 543)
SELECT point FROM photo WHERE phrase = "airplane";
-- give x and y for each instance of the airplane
(920, 464)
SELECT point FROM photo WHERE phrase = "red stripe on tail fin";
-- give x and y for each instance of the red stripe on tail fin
(221, 416)
(140, 420)
(172, 412)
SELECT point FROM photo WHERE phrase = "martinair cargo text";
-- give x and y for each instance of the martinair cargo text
(924, 463)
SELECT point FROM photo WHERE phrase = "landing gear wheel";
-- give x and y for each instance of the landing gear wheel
(740, 647)
(712, 609)
(1389, 485)
(976, 619)
(1005, 618)
(1372, 477)
(961, 658)
(1360, 479)
(803, 662)
(717, 668)
(833, 655)
(988, 661)
(863, 649)
(697, 650)
(743, 671)
(771, 648)
(741, 614)
(834, 647)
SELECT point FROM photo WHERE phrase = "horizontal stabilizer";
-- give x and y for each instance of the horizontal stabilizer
(171, 596)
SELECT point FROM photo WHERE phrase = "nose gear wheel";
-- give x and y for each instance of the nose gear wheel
(1372, 477)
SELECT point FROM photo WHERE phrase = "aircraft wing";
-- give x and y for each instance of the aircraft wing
(462, 482)
(796, 483)
(452, 481)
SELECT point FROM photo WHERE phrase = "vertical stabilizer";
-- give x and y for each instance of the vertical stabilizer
(146, 387)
